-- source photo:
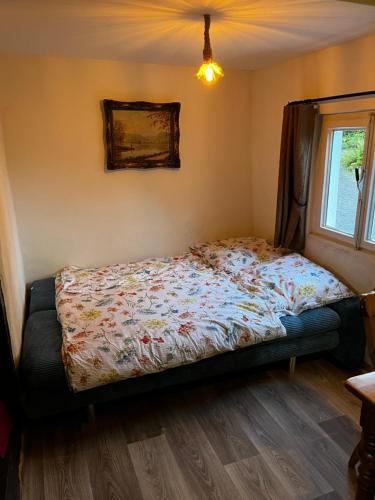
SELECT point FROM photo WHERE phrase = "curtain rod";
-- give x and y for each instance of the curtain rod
(355, 95)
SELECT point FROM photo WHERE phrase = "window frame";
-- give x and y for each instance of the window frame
(321, 179)
(368, 196)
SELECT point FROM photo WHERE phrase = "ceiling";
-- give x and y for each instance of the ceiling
(245, 34)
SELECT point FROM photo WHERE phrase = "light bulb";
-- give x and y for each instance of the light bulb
(209, 72)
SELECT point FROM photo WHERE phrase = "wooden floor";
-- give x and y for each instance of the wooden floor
(254, 436)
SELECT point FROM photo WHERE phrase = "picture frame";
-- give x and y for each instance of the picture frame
(141, 134)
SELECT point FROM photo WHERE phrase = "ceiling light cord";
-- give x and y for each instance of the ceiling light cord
(207, 51)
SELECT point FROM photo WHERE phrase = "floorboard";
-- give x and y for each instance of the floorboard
(31, 466)
(65, 467)
(343, 432)
(158, 473)
(255, 480)
(224, 432)
(332, 495)
(108, 457)
(261, 435)
(328, 380)
(197, 459)
(332, 463)
(286, 412)
(305, 397)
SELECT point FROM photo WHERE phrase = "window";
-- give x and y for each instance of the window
(343, 197)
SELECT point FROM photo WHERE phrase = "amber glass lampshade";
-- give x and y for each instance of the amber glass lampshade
(210, 72)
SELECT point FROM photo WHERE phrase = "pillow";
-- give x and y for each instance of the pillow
(233, 254)
(293, 284)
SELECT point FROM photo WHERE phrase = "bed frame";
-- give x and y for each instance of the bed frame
(336, 330)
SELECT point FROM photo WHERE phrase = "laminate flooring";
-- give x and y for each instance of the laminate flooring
(254, 436)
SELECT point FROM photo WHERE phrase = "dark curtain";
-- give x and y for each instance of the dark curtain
(294, 172)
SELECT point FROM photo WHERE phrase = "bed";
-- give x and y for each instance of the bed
(224, 306)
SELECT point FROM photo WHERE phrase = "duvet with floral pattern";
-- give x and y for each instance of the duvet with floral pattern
(129, 320)
(125, 321)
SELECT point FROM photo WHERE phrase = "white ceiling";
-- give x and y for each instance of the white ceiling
(245, 34)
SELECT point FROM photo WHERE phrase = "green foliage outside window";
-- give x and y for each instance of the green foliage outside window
(352, 149)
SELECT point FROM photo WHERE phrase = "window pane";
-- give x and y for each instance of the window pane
(341, 193)
(371, 221)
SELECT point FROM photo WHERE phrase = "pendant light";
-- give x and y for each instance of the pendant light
(209, 72)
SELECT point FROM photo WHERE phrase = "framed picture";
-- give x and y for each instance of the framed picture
(142, 134)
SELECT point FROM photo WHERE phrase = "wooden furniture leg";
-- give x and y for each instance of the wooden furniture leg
(292, 365)
(366, 476)
(366, 470)
(363, 386)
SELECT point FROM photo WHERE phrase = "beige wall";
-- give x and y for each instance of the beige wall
(11, 265)
(338, 70)
(70, 211)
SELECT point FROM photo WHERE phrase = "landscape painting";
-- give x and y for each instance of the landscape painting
(142, 134)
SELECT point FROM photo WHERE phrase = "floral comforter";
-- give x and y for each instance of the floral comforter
(125, 321)
(129, 320)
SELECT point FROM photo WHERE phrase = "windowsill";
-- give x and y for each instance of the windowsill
(342, 245)
(355, 268)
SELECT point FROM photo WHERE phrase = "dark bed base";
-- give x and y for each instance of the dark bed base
(336, 329)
